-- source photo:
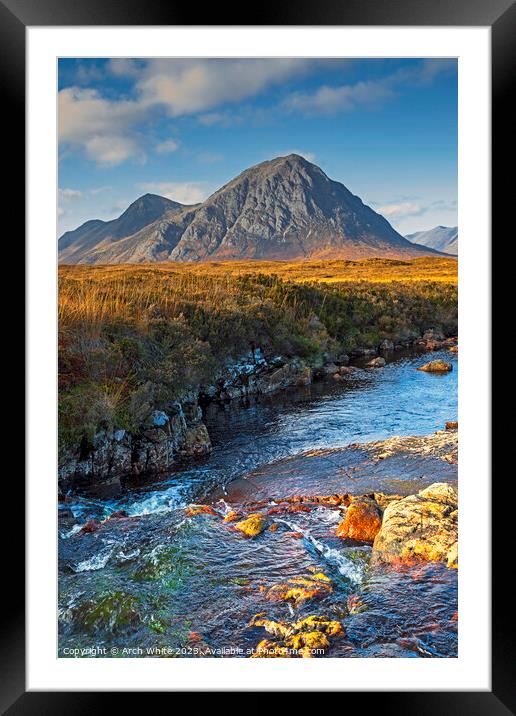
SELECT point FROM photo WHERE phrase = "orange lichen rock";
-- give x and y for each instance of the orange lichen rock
(295, 535)
(451, 425)
(356, 604)
(278, 629)
(363, 520)
(273, 527)
(299, 590)
(436, 366)
(454, 349)
(319, 624)
(271, 650)
(310, 639)
(193, 510)
(420, 527)
(305, 639)
(232, 516)
(252, 525)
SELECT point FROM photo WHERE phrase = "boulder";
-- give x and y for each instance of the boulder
(451, 425)
(386, 345)
(252, 525)
(376, 363)
(433, 334)
(437, 366)
(420, 527)
(363, 520)
(330, 369)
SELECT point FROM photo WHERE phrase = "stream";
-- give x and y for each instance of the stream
(158, 582)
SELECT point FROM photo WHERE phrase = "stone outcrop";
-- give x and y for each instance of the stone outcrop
(420, 527)
(363, 520)
(436, 366)
(170, 437)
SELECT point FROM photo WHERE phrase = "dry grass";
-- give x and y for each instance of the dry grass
(96, 294)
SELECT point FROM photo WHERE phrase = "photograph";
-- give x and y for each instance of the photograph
(258, 262)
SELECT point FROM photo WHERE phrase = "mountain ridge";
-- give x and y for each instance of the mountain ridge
(440, 238)
(283, 208)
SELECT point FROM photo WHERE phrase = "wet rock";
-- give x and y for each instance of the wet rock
(330, 369)
(342, 359)
(299, 590)
(433, 334)
(111, 611)
(278, 629)
(305, 638)
(356, 604)
(253, 525)
(420, 527)
(386, 345)
(363, 520)
(376, 363)
(361, 352)
(319, 623)
(196, 442)
(170, 435)
(454, 349)
(436, 366)
(451, 425)
(232, 516)
(310, 639)
(269, 649)
(193, 510)
(117, 515)
(346, 370)
(304, 378)
(89, 527)
(443, 445)
(452, 558)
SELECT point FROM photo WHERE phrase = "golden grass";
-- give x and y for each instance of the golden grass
(95, 294)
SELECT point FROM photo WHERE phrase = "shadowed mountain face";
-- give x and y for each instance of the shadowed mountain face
(286, 208)
(440, 238)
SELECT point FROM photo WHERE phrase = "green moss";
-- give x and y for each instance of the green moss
(111, 611)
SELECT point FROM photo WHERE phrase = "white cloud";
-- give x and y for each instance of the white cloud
(191, 86)
(69, 193)
(60, 211)
(167, 147)
(101, 126)
(183, 192)
(401, 210)
(330, 100)
(111, 150)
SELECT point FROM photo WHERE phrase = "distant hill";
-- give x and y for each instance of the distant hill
(440, 238)
(285, 208)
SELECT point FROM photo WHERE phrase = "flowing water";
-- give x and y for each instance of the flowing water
(159, 579)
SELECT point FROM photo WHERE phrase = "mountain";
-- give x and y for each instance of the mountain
(440, 238)
(285, 208)
(94, 235)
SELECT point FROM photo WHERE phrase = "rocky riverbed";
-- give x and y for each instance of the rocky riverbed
(321, 525)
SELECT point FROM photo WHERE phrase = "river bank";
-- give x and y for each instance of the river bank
(179, 434)
(143, 350)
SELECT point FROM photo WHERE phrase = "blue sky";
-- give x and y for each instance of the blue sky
(385, 128)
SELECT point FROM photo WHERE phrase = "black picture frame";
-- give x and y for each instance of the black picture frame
(15, 17)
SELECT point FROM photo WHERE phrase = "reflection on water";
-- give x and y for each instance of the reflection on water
(160, 578)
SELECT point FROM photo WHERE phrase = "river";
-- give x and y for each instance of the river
(191, 585)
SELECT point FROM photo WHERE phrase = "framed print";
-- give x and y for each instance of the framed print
(250, 435)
